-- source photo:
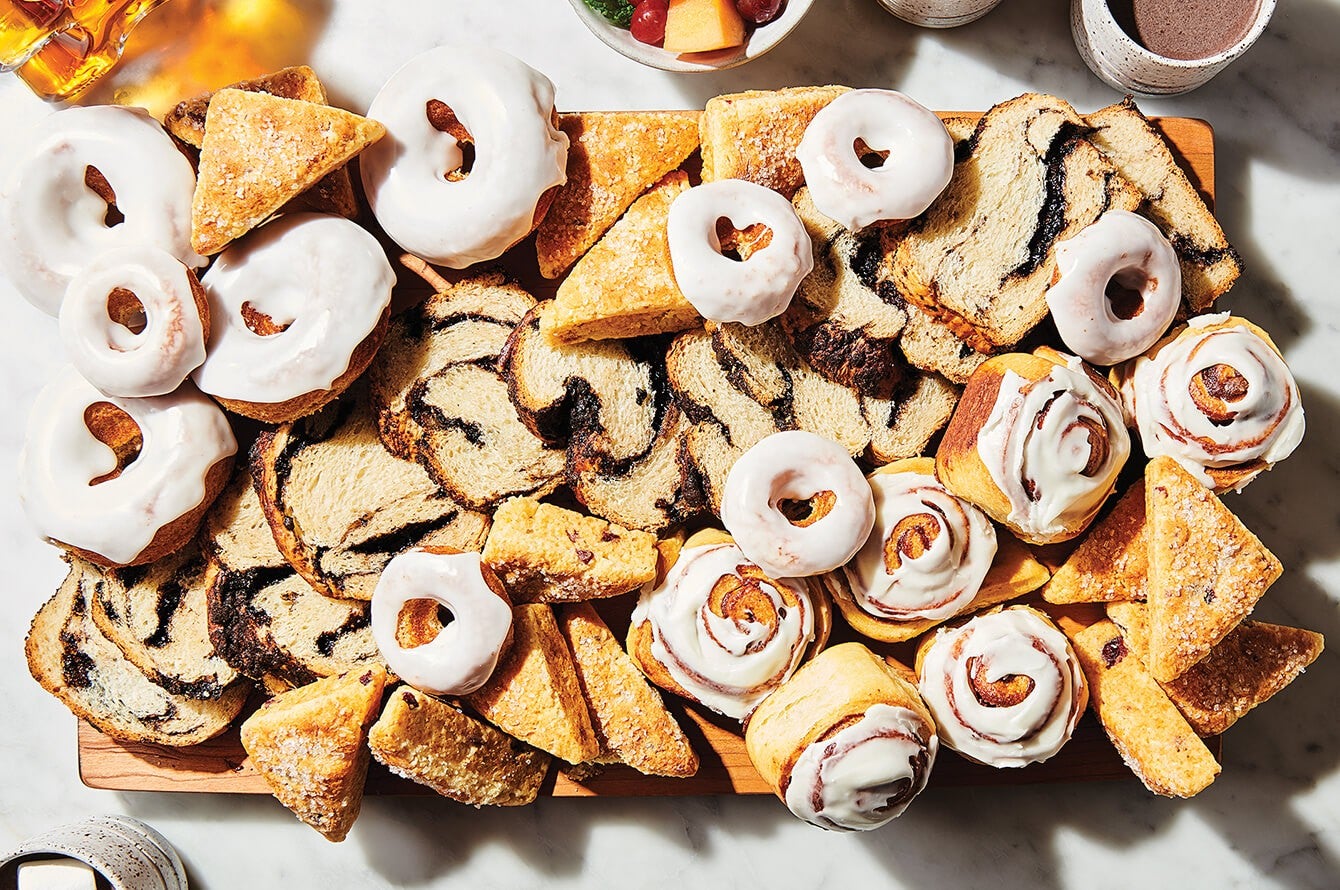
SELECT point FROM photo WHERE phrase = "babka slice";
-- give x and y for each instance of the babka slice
(340, 505)
(981, 258)
(902, 426)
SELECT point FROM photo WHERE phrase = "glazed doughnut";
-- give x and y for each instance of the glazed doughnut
(110, 355)
(797, 466)
(54, 210)
(1005, 688)
(918, 166)
(1217, 398)
(749, 291)
(69, 485)
(1117, 287)
(462, 656)
(321, 288)
(721, 632)
(507, 109)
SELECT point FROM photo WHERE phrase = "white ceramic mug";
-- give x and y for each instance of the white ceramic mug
(128, 853)
(1119, 61)
(939, 13)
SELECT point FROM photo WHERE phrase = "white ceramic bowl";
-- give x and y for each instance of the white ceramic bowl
(763, 39)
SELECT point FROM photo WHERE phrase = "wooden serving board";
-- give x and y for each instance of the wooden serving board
(221, 766)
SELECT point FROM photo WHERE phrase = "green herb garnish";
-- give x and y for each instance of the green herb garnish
(616, 12)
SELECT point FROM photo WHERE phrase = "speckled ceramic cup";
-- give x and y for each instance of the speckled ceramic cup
(128, 853)
(1120, 62)
(939, 13)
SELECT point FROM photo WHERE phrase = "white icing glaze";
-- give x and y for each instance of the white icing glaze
(1127, 249)
(797, 465)
(728, 663)
(1265, 424)
(184, 435)
(919, 165)
(1009, 643)
(117, 361)
(866, 774)
(722, 289)
(944, 578)
(1038, 441)
(323, 276)
(51, 223)
(461, 658)
(507, 107)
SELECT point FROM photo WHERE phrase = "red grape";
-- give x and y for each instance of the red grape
(648, 25)
(760, 12)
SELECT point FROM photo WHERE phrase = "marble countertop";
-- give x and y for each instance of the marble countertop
(1273, 817)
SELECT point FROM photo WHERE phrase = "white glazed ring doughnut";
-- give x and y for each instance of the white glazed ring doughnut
(722, 289)
(322, 279)
(461, 658)
(52, 221)
(918, 167)
(797, 465)
(107, 352)
(184, 436)
(1121, 259)
(507, 108)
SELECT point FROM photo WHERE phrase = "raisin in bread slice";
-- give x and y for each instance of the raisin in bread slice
(1209, 263)
(441, 400)
(157, 615)
(341, 506)
(608, 402)
(264, 619)
(71, 659)
(981, 258)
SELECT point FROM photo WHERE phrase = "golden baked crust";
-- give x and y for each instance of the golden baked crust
(1112, 562)
(310, 746)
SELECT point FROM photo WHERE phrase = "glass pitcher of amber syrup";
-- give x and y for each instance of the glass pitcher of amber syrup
(59, 47)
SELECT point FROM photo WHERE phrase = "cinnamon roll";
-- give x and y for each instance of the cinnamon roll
(719, 631)
(847, 743)
(1036, 441)
(1005, 688)
(1217, 397)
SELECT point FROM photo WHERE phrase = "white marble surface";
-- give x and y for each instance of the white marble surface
(1272, 819)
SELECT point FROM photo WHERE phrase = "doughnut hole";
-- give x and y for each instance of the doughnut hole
(444, 120)
(259, 323)
(911, 537)
(1215, 390)
(118, 431)
(806, 512)
(1007, 692)
(741, 244)
(1126, 291)
(98, 184)
(870, 158)
(125, 309)
(420, 622)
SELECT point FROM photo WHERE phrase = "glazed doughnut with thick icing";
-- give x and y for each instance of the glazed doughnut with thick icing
(797, 466)
(1117, 287)
(1217, 398)
(175, 322)
(928, 554)
(721, 289)
(917, 168)
(412, 177)
(53, 219)
(320, 286)
(1005, 688)
(722, 631)
(463, 655)
(64, 468)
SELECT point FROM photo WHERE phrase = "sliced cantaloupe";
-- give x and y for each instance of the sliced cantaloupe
(699, 26)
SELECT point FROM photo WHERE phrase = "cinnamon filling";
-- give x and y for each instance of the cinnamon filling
(871, 158)
(1097, 446)
(98, 184)
(1008, 691)
(804, 513)
(911, 537)
(444, 120)
(259, 323)
(1215, 389)
(118, 431)
(741, 599)
(740, 244)
(125, 309)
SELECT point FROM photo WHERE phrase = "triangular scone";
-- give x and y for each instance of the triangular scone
(187, 120)
(260, 152)
(1111, 564)
(310, 746)
(534, 694)
(754, 135)
(613, 157)
(1146, 728)
(432, 743)
(1206, 569)
(629, 716)
(625, 285)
